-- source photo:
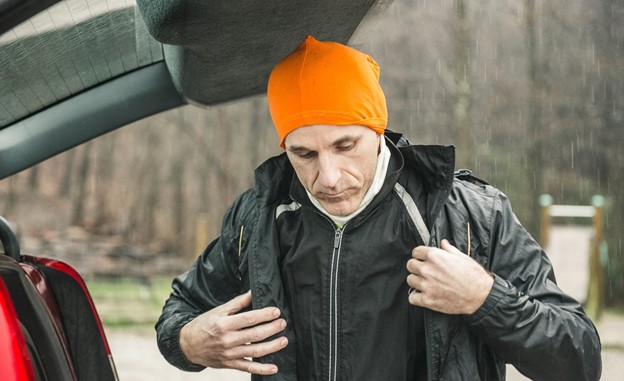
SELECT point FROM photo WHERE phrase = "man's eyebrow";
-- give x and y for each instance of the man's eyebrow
(346, 139)
(297, 148)
(337, 142)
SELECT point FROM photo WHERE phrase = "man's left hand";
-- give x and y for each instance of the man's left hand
(446, 280)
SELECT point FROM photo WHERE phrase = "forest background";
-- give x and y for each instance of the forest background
(530, 92)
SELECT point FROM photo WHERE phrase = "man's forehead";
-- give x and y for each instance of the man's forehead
(308, 137)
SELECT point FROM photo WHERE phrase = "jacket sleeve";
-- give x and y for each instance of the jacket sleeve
(218, 275)
(526, 319)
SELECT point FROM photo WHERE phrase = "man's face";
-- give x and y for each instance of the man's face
(336, 164)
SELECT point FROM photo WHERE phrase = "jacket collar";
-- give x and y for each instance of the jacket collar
(273, 179)
(435, 164)
(395, 166)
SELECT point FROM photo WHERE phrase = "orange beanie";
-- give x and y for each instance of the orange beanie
(326, 83)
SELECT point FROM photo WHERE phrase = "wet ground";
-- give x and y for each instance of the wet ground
(137, 357)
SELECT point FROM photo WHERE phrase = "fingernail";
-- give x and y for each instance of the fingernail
(283, 324)
(284, 342)
(276, 312)
(274, 370)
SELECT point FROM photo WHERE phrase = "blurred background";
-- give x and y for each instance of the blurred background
(530, 92)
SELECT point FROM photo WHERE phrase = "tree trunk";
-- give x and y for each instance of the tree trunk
(610, 159)
(12, 197)
(256, 125)
(151, 187)
(536, 130)
(104, 181)
(33, 178)
(177, 180)
(65, 186)
(462, 37)
(80, 198)
(223, 129)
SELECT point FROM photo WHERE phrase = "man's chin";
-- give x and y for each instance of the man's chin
(340, 209)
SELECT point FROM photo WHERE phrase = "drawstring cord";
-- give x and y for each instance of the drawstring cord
(240, 241)
(468, 226)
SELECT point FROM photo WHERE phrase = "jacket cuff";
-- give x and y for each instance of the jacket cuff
(174, 353)
(500, 288)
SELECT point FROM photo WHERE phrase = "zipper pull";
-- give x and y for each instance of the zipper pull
(337, 238)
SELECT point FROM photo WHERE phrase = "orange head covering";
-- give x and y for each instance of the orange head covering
(326, 83)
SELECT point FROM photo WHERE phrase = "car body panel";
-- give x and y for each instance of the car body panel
(46, 304)
(14, 358)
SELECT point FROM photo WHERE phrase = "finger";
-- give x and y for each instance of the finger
(414, 282)
(251, 318)
(416, 298)
(237, 304)
(258, 333)
(446, 246)
(252, 367)
(413, 266)
(257, 350)
(420, 252)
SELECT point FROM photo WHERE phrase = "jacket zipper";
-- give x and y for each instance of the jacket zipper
(333, 306)
(429, 337)
(428, 342)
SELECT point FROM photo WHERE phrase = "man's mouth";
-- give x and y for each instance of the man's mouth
(332, 196)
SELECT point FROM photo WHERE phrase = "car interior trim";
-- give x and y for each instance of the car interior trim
(123, 100)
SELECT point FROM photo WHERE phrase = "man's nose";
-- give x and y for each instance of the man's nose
(329, 171)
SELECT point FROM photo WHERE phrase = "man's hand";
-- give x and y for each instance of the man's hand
(446, 280)
(223, 338)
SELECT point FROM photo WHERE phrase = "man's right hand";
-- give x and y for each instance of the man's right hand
(223, 338)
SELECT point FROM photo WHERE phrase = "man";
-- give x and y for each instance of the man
(366, 258)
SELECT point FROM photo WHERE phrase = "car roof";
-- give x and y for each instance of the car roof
(74, 70)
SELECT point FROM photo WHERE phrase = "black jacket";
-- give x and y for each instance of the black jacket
(526, 320)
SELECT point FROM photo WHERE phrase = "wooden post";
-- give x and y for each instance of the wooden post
(595, 300)
(545, 202)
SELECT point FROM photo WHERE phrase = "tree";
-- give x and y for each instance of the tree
(105, 167)
(79, 199)
(33, 178)
(609, 101)
(535, 128)
(461, 37)
(65, 184)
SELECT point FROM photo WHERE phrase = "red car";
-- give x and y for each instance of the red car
(49, 327)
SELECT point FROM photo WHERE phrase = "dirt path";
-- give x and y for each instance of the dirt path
(137, 358)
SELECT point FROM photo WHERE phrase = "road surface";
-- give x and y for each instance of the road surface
(137, 358)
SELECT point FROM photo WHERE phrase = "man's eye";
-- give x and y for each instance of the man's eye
(346, 148)
(306, 155)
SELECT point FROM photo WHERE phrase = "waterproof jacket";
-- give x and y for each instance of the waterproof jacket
(526, 319)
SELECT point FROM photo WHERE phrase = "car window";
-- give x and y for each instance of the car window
(68, 48)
